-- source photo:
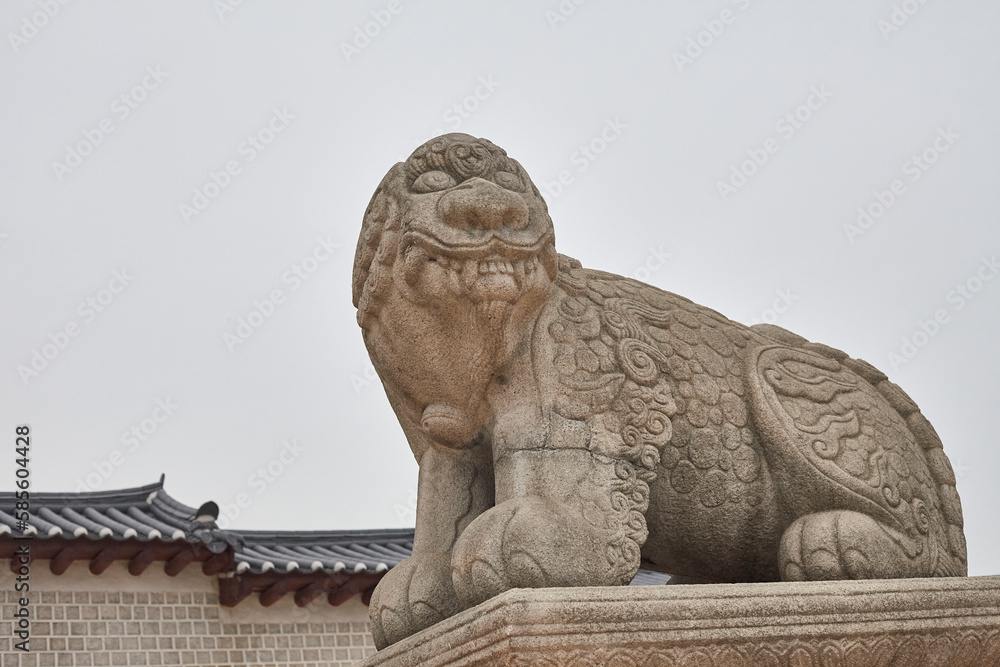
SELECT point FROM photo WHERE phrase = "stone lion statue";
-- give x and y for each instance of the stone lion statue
(572, 425)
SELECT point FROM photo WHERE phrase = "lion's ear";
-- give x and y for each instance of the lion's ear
(379, 216)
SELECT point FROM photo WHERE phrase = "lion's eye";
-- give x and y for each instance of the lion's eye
(432, 181)
(508, 180)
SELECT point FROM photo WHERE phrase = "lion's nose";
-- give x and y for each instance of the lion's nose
(480, 204)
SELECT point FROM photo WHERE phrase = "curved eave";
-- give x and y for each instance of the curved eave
(303, 586)
(100, 553)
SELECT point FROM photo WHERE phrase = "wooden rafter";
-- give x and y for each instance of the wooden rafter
(178, 562)
(62, 552)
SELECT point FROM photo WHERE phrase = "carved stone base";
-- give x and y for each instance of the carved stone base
(905, 622)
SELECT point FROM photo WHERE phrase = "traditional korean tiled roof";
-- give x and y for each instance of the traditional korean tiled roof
(149, 513)
(144, 525)
(349, 551)
(142, 513)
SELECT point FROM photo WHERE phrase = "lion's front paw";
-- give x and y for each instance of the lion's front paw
(412, 596)
(527, 542)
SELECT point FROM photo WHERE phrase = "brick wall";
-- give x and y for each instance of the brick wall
(117, 619)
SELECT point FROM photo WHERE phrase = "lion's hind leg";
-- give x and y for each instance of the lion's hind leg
(843, 544)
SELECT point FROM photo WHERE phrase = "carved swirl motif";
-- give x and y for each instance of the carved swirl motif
(641, 362)
(612, 371)
(661, 380)
(848, 433)
(461, 158)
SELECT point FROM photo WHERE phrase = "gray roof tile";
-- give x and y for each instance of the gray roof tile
(147, 513)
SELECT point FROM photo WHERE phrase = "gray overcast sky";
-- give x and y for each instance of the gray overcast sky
(167, 167)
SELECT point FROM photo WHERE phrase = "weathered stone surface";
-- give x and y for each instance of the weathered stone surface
(904, 622)
(570, 424)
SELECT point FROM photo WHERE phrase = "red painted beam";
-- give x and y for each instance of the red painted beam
(62, 560)
(274, 593)
(218, 562)
(309, 592)
(178, 562)
(140, 562)
(341, 594)
(233, 590)
(103, 560)
(17, 561)
(366, 595)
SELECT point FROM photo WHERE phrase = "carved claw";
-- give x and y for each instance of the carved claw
(527, 542)
(412, 596)
(842, 544)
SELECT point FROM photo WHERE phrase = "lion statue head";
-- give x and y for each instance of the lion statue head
(457, 254)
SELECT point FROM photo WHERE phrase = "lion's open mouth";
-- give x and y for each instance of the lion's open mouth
(491, 265)
(489, 271)
(492, 247)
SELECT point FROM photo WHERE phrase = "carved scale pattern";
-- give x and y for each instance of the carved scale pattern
(659, 380)
(975, 647)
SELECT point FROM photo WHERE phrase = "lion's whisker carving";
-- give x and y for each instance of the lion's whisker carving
(571, 425)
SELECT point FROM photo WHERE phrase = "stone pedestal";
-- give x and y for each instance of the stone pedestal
(904, 622)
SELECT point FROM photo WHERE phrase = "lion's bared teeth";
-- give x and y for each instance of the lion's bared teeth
(470, 272)
(413, 263)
